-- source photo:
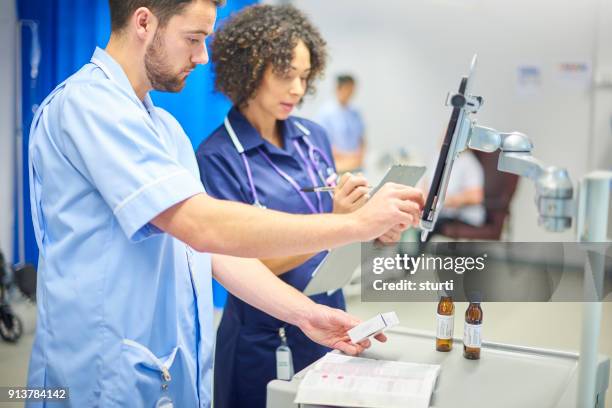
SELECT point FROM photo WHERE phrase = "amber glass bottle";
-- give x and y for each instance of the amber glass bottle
(472, 338)
(445, 322)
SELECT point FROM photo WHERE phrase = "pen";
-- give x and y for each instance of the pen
(320, 189)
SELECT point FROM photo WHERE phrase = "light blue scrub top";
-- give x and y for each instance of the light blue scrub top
(343, 124)
(118, 300)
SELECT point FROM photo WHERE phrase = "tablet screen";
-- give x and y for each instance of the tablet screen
(436, 183)
(448, 152)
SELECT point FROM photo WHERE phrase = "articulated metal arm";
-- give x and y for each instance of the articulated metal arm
(554, 190)
(556, 208)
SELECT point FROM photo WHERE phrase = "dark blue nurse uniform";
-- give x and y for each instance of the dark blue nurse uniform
(247, 338)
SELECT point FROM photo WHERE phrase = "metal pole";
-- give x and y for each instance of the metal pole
(593, 212)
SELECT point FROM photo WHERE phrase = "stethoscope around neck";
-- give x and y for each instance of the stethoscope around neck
(310, 161)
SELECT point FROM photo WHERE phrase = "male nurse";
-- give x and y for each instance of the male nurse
(125, 228)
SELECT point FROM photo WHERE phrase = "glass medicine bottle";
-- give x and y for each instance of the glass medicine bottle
(445, 322)
(472, 337)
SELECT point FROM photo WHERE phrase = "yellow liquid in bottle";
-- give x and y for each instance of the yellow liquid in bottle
(445, 324)
(471, 338)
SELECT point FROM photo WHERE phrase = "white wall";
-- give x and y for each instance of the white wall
(7, 120)
(601, 150)
(407, 54)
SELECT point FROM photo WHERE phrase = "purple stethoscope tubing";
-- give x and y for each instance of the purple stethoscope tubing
(311, 165)
(293, 183)
(313, 179)
(312, 149)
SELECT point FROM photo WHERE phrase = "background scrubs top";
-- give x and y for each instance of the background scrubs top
(343, 124)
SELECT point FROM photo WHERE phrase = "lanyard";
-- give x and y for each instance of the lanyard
(310, 165)
(312, 149)
(310, 172)
(293, 183)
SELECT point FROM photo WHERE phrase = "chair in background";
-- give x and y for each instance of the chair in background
(499, 188)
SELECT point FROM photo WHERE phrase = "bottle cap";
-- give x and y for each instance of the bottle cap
(475, 297)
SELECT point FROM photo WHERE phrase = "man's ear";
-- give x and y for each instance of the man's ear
(144, 23)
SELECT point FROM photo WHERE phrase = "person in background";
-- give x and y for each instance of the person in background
(266, 59)
(344, 126)
(464, 193)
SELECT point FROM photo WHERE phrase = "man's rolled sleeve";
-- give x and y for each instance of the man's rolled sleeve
(136, 211)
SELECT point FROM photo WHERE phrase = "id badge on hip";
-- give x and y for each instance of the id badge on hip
(284, 359)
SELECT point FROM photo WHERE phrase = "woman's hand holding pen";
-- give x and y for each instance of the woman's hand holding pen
(351, 193)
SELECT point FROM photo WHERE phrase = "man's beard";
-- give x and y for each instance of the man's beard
(159, 73)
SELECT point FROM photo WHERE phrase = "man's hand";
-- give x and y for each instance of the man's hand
(252, 282)
(329, 327)
(394, 206)
(351, 193)
(393, 236)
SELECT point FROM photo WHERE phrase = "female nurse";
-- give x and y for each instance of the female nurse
(265, 60)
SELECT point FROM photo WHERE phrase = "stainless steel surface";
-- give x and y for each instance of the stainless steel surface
(505, 376)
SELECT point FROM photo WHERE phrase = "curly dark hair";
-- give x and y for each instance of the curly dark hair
(257, 37)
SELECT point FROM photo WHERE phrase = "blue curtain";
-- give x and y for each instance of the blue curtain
(69, 30)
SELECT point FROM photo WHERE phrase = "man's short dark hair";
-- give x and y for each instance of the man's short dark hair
(345, 79)
(121, 10)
